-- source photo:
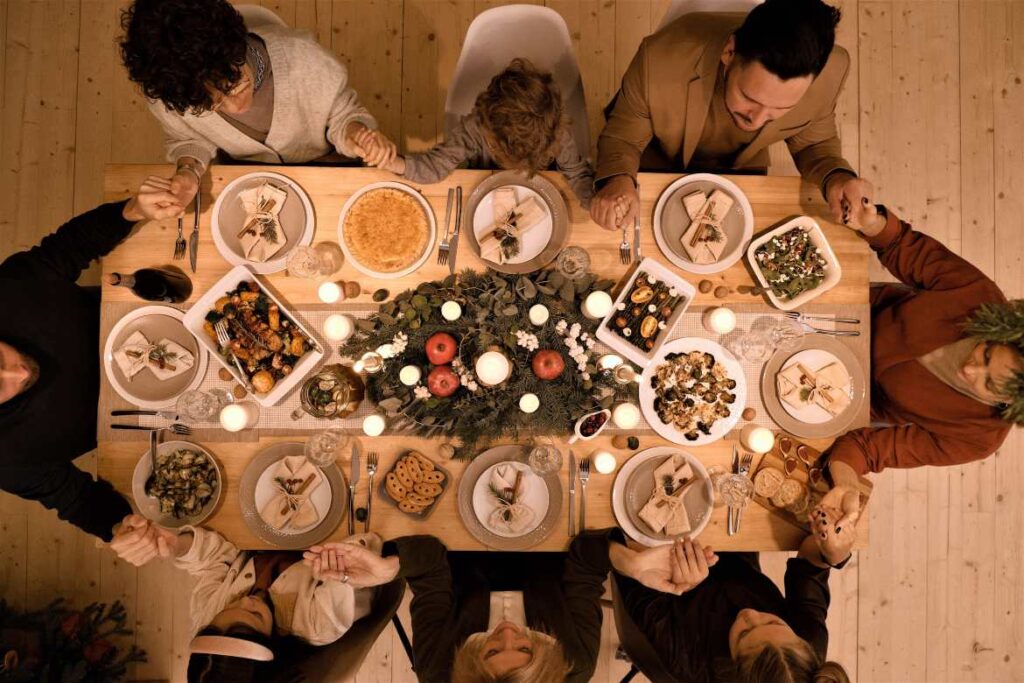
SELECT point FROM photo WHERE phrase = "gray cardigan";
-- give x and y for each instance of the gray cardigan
(313, 104)
(467, 144)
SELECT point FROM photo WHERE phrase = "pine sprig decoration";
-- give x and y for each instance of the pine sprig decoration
(495, 306)
(1014, 391)
(998, 322)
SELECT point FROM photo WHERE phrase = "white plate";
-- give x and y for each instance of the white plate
(431, 226)
(534, 242)
(148, 506)
(833, 271)
(114, 374)
(738, 225)
(732, 366)
(320, 498)
(813, 360)
(618, 493)
(196, 316)
(536, 498)
(297, 235)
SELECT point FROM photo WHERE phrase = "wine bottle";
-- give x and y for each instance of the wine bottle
(166, 284)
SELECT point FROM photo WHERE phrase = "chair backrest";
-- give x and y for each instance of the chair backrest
(255, 15)
(499, 35)
(680, 7)
(640, 651)
(338, 662)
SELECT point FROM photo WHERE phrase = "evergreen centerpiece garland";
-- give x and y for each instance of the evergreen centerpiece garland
(495, 310)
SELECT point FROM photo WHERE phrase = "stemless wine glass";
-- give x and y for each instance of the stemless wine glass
(786, 334)
(311, 263)
(754, 345)
(573, 262)
(323, 448)
(735, 489)
(199, 406)
(544, 459)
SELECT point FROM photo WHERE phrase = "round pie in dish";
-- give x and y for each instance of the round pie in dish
(386, 230)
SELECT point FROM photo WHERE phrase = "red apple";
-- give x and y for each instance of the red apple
(441, 348)
(442, 381)
(548, 364)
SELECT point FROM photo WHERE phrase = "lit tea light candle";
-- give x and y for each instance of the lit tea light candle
(386, 351)
(492, 368)
(338, 327)
(539, 314)
(604, 462)
(609, 361)
(235, 417)
(371, 363)
(597, 305)
(373, 425)
(626, 416)
(529, 403)
(410, 375)
(329, 292)
(757, 439)
(451, 311)
(720, 320)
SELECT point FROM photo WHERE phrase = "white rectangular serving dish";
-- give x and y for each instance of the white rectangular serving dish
(196, 316)
(623, 347)
(833, 274)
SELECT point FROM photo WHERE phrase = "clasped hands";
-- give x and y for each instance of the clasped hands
(673, 568)
(137, 540)
(350, 563)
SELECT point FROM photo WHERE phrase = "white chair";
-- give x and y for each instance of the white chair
(498, 36)
(254, 16)
(680, 7)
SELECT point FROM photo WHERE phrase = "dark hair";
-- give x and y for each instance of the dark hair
(174, 49)
(1003, 323)
(520, 113)
(773, 664)
(203, 668)
(790, 38)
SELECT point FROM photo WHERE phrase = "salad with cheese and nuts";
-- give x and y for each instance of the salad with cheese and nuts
(791, 263)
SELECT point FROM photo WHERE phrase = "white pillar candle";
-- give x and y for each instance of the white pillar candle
(597, 305)
(528, 403)
(451, 310)
(338, 327)
(234, 417)
(757, 439)
(720, 320)
(626, 416)
(539, 314)
(410, 375)
(604, 462)
(492, 368)
(609, 361)
(329, 292)
(373, 425)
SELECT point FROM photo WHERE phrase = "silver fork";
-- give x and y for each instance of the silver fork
(179, 244)
(625, 254)
(807, 327)
(445, 247)
(584, 477)
(745, 462)
(224, 339)
(796, 315)
(371, 469)
(177, 428)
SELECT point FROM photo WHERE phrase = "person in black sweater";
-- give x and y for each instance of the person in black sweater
(49, 361)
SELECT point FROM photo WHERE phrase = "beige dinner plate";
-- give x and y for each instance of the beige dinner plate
(782, 417)
(296, 219)
(149, 507)
(698, 499)
(145, 389)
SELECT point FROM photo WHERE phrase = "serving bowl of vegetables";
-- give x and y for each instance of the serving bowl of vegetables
(794, 263)
(184, 489)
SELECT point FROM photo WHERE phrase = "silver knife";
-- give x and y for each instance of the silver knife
(164, 414)
(572, 494)
(352, 480)
(731, 527)
(636, 238)
(193, 239)
(458, 229)
(154, 436)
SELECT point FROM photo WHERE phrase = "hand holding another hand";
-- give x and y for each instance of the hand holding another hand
(362, 567)
(616, 204)
(155, 200)
(834, 523)
(138, 540)
(851, 202)
(374, 148)
(672, 568)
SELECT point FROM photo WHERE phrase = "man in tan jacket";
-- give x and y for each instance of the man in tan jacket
(711, 92)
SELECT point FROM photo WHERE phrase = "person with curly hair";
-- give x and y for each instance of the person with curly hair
(270, 94)
(518, 123)
(947, 364)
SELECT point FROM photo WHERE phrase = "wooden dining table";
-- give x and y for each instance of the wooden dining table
(773, 200)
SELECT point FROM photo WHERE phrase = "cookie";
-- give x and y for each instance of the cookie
(415, 471)
(394, 487)
(424, 462)
(434, 477)
(768, 481)
(429, 490)
(402, 472)
(417, 499)
(799, 506)
(408, 506)
(790, 490)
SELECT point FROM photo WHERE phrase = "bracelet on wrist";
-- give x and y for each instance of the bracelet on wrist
(191, 169)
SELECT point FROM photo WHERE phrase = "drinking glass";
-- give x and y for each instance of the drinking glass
(199, 406)
(331, 257)
(753, 345)
(735, 489)
(786, 334)
(544, 459)
(311, 263)
(573, 262)
(323, 448)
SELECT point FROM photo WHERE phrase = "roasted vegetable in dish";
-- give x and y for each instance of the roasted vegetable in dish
(791, 263)
(692, 392)
(265, 341)
(644, 313)
(184, 482)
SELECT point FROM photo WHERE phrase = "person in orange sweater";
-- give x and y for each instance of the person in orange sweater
(947, 364)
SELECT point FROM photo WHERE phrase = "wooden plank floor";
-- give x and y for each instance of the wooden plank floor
(931, 112)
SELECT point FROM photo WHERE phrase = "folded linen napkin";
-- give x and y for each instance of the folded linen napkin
(295, 479)
(262, 235)
(503, 239)
(131, 356)
(510, 515)
(167, 359)
(828, 388)
(704, 240)
(665, 511)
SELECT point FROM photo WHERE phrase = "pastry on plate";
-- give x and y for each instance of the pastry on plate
(768, 481)
(386, 230)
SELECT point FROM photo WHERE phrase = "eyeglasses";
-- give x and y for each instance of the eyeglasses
(220, 98)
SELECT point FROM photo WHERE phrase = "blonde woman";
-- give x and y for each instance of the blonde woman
(487, 617)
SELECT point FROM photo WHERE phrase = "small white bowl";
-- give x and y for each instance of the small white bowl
(833, 271)
(578, 435)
